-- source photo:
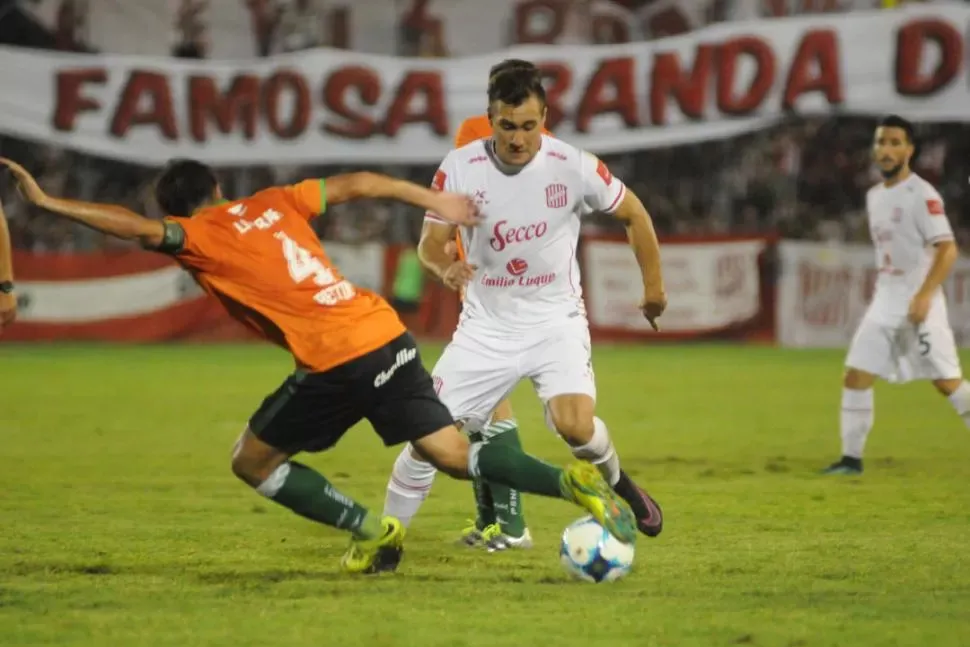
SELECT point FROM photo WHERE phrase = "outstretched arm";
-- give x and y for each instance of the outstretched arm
(107, 218)
(451, 207)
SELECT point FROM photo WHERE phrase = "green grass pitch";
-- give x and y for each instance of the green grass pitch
(121, 524)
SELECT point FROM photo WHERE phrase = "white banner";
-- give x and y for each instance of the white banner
(823, 291)
(710, 286)
(89, 300)
(328, 106)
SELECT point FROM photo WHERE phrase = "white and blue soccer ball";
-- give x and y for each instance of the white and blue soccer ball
(590, 553)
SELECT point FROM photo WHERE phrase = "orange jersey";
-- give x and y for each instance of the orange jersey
(471, 130)
(262, 260)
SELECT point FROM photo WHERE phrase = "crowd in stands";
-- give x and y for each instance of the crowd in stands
(805, 178)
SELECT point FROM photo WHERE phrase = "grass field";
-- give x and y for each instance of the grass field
(121, 524)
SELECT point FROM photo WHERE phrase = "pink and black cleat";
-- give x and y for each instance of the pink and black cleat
(650, 518)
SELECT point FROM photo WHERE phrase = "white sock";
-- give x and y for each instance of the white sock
(960, 399)
(855, 420)
(600, 452)
(410, 484)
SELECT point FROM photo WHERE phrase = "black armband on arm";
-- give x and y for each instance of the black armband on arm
(173, 239)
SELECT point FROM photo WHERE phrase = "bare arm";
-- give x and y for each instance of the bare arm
(356, 186)
(107, 218)
(643, 240)
(943, 259)
(435, 236)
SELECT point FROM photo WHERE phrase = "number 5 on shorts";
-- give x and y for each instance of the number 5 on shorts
(924, 344)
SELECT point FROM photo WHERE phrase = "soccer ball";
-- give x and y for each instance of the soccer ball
(590, 553)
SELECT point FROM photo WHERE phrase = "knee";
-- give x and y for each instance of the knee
(947, 387)
(450, 457)
(250, 465)
(573, 421)
(244, 468)
(454, 463)
(857, 380)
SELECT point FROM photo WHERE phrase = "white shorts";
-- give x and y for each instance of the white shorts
(476, 372)
(904, 353)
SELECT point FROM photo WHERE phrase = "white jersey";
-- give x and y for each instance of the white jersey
(525, 248)
(905, 221)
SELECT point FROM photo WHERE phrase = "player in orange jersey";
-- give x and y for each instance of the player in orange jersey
(500, 519)
(354, 359)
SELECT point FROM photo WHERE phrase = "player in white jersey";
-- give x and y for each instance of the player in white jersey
(523, 314)
(905, 334)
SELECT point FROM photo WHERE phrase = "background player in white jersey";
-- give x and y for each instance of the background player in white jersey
(905, 334)
(523, 314)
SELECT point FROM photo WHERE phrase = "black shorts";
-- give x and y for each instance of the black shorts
(389, 387)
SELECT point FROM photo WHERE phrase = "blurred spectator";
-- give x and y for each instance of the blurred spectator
(71, 31)
(421, 34)
(264, 17)
(190, 29)
(301, 25)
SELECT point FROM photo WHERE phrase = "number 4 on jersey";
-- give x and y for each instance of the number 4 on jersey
(303, 265)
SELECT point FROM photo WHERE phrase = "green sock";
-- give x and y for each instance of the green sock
(483, 504)
(510, 466)
(485, 510)
(507, 501)
(307, 493)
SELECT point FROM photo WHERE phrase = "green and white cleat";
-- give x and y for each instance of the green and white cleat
(472, 536)
(497, 541)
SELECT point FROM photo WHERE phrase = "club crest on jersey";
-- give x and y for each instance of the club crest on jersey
(517, 267)
(480, 198)
(556, 196)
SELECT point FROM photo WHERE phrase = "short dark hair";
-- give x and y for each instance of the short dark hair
(515, 86)
(895, 121)
(511, 64)
(184, 186)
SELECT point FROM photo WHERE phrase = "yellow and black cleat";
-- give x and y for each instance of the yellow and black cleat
(368, 556)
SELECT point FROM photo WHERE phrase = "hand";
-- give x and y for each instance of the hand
(653, 305)
(451, 249)
(456, 208)
(458, 275)
(8, 309)
(919, 307)
(28, 185)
